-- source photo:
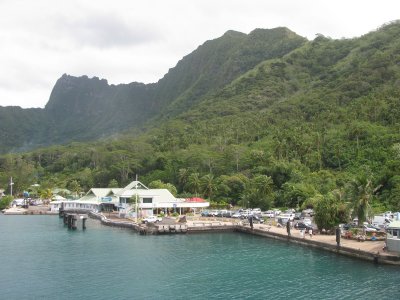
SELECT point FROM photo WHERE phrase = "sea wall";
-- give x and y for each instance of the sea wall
(103, 219)
(383, 258)
(209, 227)
(201, 227)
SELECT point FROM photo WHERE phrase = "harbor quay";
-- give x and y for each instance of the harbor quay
(372, 251)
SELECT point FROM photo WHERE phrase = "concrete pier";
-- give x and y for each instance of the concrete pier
(71, 220)
(370, 251)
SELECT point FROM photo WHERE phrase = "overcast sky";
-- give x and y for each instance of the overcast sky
(125, 41)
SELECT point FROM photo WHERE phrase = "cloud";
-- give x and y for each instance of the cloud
(105, 31)
(124, 41)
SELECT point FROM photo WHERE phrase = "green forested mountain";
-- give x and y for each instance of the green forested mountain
(81, 109)
(311, 126)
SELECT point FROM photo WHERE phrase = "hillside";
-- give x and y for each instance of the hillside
(84, 109)
(312, 127)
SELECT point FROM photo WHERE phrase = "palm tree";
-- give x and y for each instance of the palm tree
(183, 177)
(75, 187)
(263, 184)
(46, 195)
(361, 193)
(207, 183)
(194, 183)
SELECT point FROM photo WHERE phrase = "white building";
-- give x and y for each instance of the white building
(149, 201)
(393, 236)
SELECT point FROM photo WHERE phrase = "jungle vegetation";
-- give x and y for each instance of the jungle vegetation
(315, 126)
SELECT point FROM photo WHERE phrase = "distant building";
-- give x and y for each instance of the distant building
(393, 236)
(149, 201)
(2, 193)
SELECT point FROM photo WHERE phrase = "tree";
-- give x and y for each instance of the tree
(230, 188)
(194, 183)
(75, 187)
(258, 192)
(360, 194)
(183, 177)
(5, 202)
(295, 194)
(158, 184)
(113, 183)
(208, 186)
(46, 195)
(327, 212)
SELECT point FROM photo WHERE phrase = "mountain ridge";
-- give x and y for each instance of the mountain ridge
(83, 108)
(305, 129)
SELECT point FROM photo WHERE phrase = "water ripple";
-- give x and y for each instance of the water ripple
(47, 261)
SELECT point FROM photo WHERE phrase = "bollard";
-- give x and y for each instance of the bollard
(74, 221)
(338, 237)
(69, 221)
(83, 223)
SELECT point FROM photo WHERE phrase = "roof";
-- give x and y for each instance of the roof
(135, 184)
(57, 190)
(58, 198)
(195, 199)
(161, 194)
(394, 224)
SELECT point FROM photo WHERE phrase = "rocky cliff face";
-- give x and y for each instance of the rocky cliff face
(82, 108)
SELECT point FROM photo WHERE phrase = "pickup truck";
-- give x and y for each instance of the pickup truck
(152, 219)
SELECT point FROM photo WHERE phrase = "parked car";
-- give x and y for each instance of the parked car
(347, 226)
(221, 213)
(268, 214)
(309, 212)
(205, 213)
(152, 219)
(297, 215)
(369, 228)
(227, 214)
(290, 217)
(257, 219)
(213, 213)
(245, 214)
(277, 212)
(301, 225)
(236, 214)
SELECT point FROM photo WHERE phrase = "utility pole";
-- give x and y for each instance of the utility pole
(11, 186)
(136, 200)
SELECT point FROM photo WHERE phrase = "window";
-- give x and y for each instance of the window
(147, 200)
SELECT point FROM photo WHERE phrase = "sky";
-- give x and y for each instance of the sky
(128, 40)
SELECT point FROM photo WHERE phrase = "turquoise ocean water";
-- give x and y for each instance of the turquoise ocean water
(41, 259)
